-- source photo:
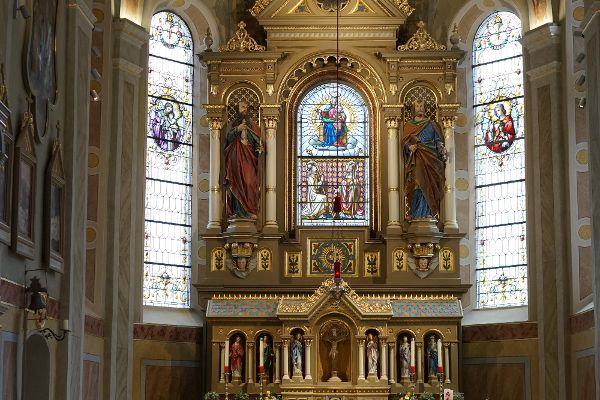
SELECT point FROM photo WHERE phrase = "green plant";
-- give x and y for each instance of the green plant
(241, 396)
(403, 396)
(212, 396)
(426, 396)
(459, 396)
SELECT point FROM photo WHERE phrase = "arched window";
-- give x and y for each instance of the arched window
(500, 231)
(333, 156)
(168, 208)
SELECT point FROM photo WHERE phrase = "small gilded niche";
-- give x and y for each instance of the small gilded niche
(400, 260)
(446, 260)
(293, 264)
(371, 264)
(217, 259)
(264, 259)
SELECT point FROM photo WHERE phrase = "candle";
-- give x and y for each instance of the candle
(65, 324)
(226, 355)
(261, 363)
(337, 269)
(440, 356)
(412, 354)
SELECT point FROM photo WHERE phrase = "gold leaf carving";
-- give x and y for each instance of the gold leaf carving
(403, 5)
(258, 6)
(242, 41)
(421, 41)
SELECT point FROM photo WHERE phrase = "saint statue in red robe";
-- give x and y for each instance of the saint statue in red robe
(236, 355)
(242, 148)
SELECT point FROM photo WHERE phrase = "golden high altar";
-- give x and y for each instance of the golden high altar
(337, 98)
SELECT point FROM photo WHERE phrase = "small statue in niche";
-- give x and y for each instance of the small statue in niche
(424, 157)
(336, 334)
(372, 354)
(297, 353)
(268, 356)
(404, 352)
(432, 356)
(236, 355)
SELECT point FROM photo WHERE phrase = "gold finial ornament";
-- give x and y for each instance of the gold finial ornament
(403, 5)
(421, 41)
(242, 41)
(258, 6)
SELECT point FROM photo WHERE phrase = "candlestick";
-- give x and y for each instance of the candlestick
(65, 325)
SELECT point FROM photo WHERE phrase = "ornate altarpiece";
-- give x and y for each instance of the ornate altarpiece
(410, 265)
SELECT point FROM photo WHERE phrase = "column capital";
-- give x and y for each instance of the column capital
(250, 345)
(543, 36)
(285, 341)
(270, 121)
(307, 342)
(392, 121)
(446, 344)
(419, 345)
(448, 121)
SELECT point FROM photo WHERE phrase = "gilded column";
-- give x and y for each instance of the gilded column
(450, 224)
(277, 363)
(286, 356)
(361, 359)
(307, 359)
(419, 362)
(384, 366)
(270, 124)
(214, 199)
(392, 123)
(250, 369)
(392, 347)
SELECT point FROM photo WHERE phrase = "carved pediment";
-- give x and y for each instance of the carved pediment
(323, 12)
(363, 307)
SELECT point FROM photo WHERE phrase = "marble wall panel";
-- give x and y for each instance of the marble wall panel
(9, 371)
(90, 274)
(172, 382)
(504, 378)
(583, 187)
(585, 272)
(91, 380)
(94, 326)
(510, 331)
(586, 389)
(581, 322)
(168, 333)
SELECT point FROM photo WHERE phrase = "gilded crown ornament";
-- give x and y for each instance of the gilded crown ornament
(259, 6)
(404, 7)
(421, 41)
(242, 41)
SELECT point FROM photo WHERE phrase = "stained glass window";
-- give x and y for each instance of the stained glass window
(333, 157)
(500, 232)
(168, 219)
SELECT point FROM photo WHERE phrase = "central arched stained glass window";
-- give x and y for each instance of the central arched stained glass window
(333, 143)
